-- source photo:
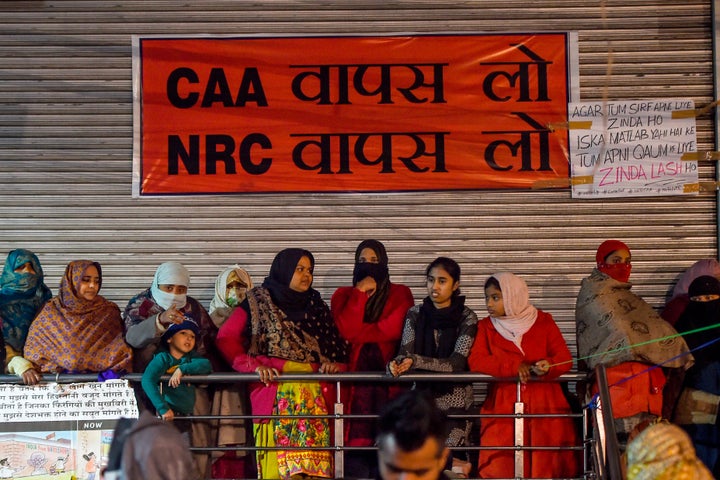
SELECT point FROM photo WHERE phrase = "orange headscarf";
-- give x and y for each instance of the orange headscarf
(75, 335)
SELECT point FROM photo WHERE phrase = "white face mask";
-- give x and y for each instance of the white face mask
(167, 300)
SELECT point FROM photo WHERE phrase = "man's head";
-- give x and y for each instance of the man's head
(411, 438)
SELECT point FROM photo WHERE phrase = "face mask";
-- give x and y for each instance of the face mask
(618, 271)
(24, 282)
(366, 269)
(167, 300)
(235, 297)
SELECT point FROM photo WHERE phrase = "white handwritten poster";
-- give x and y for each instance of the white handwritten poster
(59, 432)
(632, 148)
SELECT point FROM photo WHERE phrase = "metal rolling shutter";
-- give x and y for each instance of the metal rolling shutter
(66, 150)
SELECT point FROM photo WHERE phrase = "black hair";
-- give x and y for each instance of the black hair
(411, 418)
(492, 282)
(376, 303)
(450, 266)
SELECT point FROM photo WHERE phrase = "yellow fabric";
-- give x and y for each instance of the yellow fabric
(664, 451)
(10, 352)
(16, 364)
(302, 398)
(266, 460)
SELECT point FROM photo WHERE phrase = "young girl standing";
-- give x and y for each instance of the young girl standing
(518, 340)
(437, 337)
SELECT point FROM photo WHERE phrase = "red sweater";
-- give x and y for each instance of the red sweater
(348, 308)
(494, 355)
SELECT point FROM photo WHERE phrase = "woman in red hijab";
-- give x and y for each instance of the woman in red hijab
(616, 328)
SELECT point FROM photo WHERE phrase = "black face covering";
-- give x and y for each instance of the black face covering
(377, 271)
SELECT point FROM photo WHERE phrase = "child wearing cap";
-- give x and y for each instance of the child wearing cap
(176, 356)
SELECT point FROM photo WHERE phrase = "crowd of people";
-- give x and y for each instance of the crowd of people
(659, 365)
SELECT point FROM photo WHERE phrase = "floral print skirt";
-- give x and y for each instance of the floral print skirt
(294, 399)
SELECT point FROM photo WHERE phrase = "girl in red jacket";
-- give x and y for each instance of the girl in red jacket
(518, 340)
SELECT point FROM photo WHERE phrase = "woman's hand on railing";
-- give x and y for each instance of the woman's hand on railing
(31, 377)
(329, 367)
(267, 374)
(168, 416)
(397, 369)
(524, 372)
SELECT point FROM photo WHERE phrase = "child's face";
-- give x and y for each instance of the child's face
(440, 287)
(89, 283)
(494, 301)
(182, 342)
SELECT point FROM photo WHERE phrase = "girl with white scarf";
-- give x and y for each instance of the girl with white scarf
(515, 341)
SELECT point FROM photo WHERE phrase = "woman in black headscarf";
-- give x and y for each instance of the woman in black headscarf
(284, 326)
(370, 315)
(696, 409)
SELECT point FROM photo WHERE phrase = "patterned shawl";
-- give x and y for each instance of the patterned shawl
(21, 296)
(75, 335)
(314, 339)
(609, 316)
(289, 324)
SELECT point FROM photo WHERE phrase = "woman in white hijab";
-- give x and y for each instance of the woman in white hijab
(149, 314)
(231, 288)
(518, 340)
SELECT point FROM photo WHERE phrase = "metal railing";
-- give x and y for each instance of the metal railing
(603, 446)
(599, 444)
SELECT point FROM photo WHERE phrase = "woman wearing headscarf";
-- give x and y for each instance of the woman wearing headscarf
(698, 404)
(22, 295)
(286, 327)
(79, 331)
(370, 315)
(518, 340)
(663, 451)
(680, 298)
(148, 316)
(231, 288)
(616, 328)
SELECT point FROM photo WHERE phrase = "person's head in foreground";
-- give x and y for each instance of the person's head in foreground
(411, 438)
(664, 451)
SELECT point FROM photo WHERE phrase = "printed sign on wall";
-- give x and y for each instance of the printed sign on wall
(349, 114)
(53, 431)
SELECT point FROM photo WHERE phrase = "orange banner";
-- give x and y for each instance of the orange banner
(349, 114)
